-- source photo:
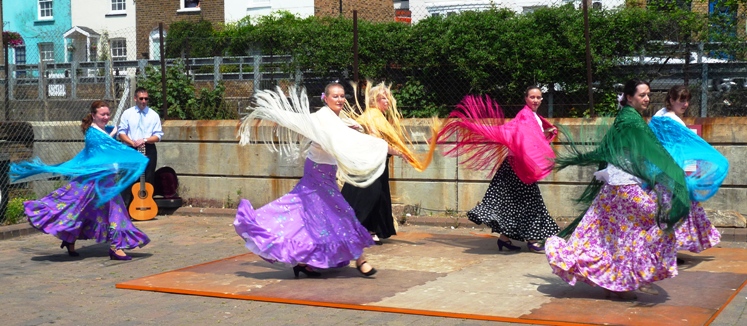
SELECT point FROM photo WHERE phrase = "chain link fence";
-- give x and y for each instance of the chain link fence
(49, 83)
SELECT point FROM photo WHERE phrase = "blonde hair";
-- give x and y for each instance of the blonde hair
(387, 124)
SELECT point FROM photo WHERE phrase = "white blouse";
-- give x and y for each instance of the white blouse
(669, 114)
(612, 175)
(318, 155)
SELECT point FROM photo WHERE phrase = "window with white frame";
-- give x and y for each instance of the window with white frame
(46, 52)
(119, 49)
(45, 9)
(191, 4)
(118, 5)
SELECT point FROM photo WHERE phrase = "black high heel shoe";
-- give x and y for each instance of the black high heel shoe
(508, 245)
(621, 296)
(535, 247)
(70, 252)
(366, 274)
(302, 269)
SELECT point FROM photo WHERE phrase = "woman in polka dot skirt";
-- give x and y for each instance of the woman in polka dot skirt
(513, 205)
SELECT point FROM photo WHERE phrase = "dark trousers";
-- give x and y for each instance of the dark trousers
(150, 172)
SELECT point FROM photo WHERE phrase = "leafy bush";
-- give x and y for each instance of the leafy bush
(497, 52)
(182, 101)
(14, 212)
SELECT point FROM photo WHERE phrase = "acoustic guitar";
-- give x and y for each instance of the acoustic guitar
(143, 207)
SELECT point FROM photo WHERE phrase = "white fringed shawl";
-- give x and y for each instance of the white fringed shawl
(360, 157)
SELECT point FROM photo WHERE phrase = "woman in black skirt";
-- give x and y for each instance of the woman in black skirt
(373, 204)
(513, 205)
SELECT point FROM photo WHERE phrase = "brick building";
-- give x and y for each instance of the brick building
(152, 12)
(370, 10)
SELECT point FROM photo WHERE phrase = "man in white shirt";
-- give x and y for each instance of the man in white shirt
(140, 128)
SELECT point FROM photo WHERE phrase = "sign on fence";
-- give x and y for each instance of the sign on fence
(56, 90)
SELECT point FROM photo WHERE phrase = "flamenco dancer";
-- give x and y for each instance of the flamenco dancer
(705, 169)
(381, 119)
(617, 244)
(89, 207)
(312, 227)
(520, 151)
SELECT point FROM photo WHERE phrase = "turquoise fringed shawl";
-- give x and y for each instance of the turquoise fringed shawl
(688, 149)
(632, 146)
(102, 158)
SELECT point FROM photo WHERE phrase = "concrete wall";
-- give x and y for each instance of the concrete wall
(213, 169)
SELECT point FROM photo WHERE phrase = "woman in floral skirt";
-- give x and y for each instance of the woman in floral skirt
(618, 243)
(89, 207)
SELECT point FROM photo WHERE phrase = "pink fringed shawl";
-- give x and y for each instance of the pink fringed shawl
(484, 139)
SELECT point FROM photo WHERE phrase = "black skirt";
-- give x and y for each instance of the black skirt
(373, 205)
(513, 208)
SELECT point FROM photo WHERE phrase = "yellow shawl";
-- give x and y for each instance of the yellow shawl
(386, 125)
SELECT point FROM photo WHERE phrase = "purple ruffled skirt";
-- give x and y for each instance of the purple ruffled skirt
(69, 213)
(312, 224)
(617, 245)
(696, 233)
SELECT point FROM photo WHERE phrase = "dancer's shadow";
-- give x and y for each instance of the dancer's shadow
(692, 261)
(94, 251)
(262, 270)
(476, 245)
(557, 288)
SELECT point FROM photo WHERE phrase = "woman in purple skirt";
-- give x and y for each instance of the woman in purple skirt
(313, 227)
(618, 244)
(89, 207)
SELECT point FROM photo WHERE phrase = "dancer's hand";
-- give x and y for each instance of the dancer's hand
(392, 151)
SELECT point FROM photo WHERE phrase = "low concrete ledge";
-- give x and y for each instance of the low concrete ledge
(726, 218)
(16, 230)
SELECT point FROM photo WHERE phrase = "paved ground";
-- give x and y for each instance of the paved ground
(40, 284)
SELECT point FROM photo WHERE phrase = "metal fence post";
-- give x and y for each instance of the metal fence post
(108, 79)
(11, 83)
(257, 73)
(74, 80)
(40, 85)
(703, 83)
(551, 100)
(217, 77)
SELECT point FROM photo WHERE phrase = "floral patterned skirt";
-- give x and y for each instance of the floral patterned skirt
(69, 214)
(617, 245)
(694, 233)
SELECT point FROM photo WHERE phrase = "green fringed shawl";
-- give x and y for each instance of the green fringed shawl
(632, 146)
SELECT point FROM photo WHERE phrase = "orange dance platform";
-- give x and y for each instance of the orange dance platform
(464, 276)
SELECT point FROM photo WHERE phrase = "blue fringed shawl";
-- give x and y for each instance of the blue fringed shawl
(687, 149)
(102, 158)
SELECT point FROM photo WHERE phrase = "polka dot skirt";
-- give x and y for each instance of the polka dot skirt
(513, 208)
